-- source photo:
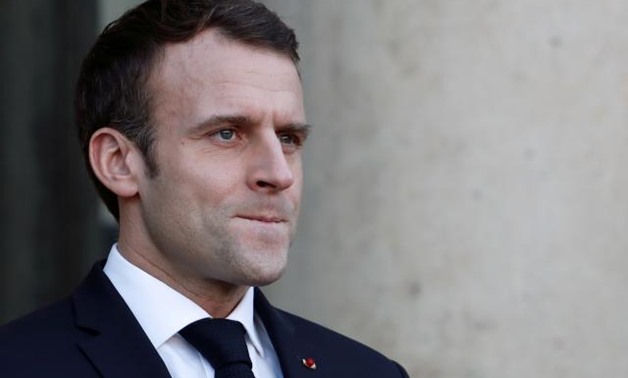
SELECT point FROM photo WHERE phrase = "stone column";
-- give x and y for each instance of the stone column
(466, 197)
(49, 230)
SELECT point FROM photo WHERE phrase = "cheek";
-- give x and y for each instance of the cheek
(210, 183)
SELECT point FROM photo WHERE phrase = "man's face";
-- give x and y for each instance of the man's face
(229, 124)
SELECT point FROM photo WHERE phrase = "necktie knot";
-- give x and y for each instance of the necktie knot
(221, 342)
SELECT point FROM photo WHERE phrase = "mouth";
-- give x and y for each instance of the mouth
(272, 219)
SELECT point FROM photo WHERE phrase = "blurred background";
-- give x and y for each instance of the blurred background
(466, 196)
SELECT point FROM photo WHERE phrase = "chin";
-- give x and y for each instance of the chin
(265, 275)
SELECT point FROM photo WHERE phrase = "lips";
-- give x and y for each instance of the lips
(264, 218)
(269, 213)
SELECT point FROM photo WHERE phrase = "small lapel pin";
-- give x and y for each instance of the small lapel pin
(309, 363)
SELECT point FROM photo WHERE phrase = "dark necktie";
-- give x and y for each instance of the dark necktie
(221, 342)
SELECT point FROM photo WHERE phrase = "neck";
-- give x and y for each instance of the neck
(217, 298)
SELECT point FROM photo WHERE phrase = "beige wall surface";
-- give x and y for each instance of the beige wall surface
(466, 198)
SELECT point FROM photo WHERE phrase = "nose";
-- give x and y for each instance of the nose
(270, 168)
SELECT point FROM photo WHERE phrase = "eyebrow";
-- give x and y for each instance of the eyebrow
(218, 119)
(244, 121)
(302, 129)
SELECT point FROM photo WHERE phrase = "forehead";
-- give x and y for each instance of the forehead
(211, 70)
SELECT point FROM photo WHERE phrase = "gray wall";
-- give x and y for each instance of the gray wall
(109, 10)
(466, 198)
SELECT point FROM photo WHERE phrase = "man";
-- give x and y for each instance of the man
(192, 123)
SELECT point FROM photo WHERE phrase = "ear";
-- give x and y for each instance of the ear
(116, 162)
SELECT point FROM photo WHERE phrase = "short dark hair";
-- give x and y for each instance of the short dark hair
(112, 85)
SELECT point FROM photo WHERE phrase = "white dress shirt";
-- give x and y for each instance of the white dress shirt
(162, 312)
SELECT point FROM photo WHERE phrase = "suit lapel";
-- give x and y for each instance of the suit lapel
(117, 346)
(291, 351)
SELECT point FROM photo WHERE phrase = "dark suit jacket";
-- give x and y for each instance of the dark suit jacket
(94, 334)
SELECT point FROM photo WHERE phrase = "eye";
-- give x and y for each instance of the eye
(226, 134)
(289, 139)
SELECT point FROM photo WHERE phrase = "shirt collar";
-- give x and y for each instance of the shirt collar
(162, 311)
